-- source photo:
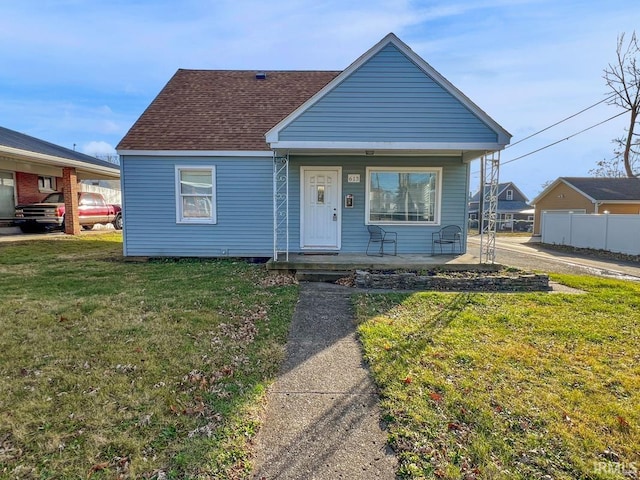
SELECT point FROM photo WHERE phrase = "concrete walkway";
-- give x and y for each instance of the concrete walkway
(322, 419)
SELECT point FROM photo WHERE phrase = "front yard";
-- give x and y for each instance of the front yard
(509, 386)
(132, 370)
(110, 369)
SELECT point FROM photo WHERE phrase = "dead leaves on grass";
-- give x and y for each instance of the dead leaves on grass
(623, 424)
(278, 279)
(120, 464)
(436, 397)
(9, 452)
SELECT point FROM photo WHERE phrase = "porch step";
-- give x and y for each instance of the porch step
(329, 276)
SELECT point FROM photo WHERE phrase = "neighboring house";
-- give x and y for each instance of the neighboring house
(255, 164)
(514, 212)
(31, 168)
(588, 195)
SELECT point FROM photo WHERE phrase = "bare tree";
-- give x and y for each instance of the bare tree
(108, 157)
(612, 168)
(623, 78)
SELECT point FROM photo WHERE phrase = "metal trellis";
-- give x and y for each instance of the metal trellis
(489, 179)
(280, 207)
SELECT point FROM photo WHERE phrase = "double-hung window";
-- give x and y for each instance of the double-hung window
(408, 196)
(195, 194)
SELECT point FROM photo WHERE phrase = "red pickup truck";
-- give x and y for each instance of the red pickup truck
(49, 213)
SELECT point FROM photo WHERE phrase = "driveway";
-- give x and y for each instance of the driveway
(527, 253)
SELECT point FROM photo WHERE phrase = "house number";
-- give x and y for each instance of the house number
(353, 178)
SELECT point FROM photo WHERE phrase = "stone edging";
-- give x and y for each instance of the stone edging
(475, 282)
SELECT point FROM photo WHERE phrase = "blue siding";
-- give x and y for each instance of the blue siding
(411, 238)
(389, 99)
(244, 209)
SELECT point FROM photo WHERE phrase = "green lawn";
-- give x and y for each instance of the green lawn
(112, 370)
(509, 386)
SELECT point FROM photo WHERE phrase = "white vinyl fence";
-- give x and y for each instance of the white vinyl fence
(615, 233)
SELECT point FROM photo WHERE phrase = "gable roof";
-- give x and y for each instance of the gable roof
(230, 111)
(23, 147)
(221, 110)
(501, 188)
(598, 189)
(502, 136)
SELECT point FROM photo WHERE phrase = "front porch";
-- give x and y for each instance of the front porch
(349, 262)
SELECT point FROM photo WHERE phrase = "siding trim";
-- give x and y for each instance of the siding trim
(390, 147)
(196, 153)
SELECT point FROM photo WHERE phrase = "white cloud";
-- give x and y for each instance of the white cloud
(98, 147)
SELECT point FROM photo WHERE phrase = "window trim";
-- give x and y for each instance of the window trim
(509, 194)
(52, 181)
(438, 195)
(212, 220)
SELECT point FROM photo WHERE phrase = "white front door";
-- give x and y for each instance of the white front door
(320, 208)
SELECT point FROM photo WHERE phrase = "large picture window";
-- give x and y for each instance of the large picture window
(403, 195)
(195, 194)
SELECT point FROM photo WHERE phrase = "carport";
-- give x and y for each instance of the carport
(23, 154)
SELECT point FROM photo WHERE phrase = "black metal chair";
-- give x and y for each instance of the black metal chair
(378, 235)
(449, 235)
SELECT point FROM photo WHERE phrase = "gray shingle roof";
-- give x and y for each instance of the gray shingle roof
(13, 139)
(505, 206)
(607, 189)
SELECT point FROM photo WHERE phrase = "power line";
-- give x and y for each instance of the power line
(556, 124)
(564, 139)
(561, 121)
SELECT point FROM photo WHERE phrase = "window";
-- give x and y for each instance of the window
(509, 194)
(403, 195)
(195, 195)
(47, 184)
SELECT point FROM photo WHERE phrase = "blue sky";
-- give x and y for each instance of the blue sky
(82, 71)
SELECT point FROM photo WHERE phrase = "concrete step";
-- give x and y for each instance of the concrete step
(321, 275)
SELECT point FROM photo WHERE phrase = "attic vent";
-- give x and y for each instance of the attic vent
(261, 76)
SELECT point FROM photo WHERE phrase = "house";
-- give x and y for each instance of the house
(514, 212)
(31, 168)
(260, 164)
(588, 195)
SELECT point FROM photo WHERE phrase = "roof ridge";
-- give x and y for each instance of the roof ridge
(251, 70)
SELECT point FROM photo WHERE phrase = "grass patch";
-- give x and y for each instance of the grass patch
(516, 386)
(132, 370)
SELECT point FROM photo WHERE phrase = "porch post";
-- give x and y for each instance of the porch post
(280, 206)
(70, 190)
(489, 167)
